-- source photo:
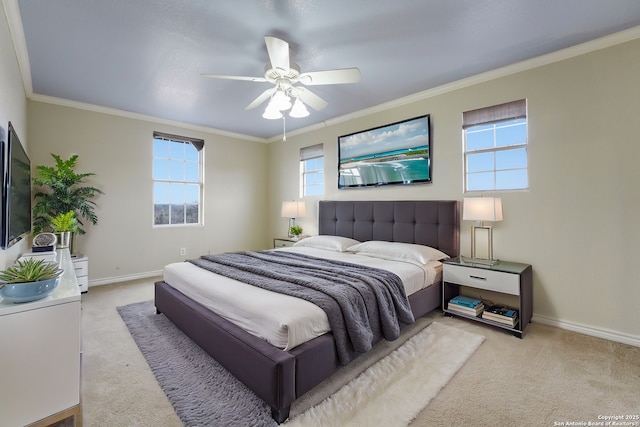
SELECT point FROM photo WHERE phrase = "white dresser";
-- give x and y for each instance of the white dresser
(40, 355)
(81, 266)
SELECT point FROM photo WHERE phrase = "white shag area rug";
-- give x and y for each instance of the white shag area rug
(393, 391)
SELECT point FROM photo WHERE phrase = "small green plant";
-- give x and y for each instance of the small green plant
(29, 270)
(65, 222)
(296, 230)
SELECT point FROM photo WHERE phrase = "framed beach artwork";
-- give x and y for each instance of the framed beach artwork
(393, 154)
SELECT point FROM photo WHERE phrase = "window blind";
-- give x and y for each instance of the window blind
(197, 143)
(494, 114)
(312, 152)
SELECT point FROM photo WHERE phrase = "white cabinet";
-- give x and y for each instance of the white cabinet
(81, 267)
(40, 355)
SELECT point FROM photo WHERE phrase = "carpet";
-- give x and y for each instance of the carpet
(387, 387)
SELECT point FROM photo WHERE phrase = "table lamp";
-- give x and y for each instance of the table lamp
(482, 209)
(293, 210)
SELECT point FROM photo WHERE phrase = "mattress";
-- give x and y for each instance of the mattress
(283, 321)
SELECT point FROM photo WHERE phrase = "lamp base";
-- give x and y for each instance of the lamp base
(479, 261)
(292, 222)
(482, 242)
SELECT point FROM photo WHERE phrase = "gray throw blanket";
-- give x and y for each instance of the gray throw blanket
(362, 304)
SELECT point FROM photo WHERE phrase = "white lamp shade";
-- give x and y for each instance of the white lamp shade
(293, 209)
(482, 209)
(281, 101)
(271, 112)
(298, 110)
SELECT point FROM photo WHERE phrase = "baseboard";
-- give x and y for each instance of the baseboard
(607, 334)
(126, 278)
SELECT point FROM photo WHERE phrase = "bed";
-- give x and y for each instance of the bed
(279, 376)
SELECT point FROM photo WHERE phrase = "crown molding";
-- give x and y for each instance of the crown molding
(137, 116)
(529, 64)
(12, 12)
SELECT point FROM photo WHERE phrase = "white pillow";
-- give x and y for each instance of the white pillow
(395, 251)
(331, 243)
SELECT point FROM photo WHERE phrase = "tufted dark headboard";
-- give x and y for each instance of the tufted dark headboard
(433, 223)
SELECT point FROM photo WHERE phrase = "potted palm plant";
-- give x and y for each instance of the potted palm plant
(59, 190)
(29, 279)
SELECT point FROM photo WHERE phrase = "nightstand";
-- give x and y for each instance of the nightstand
(281, 242)
(509, 280)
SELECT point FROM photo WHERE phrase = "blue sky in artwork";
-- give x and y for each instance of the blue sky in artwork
(409, 134)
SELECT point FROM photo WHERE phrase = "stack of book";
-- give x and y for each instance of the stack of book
(501, 314)
(466, 305)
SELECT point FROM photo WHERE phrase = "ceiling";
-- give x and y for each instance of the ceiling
(147, 56)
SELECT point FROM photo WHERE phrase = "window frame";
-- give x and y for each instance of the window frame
(306, 154)
(496, 117)
(198, 145)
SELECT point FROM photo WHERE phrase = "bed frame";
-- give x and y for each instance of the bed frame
(279, 377)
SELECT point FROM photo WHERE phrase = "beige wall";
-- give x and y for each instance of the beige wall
(13, 108)
(577, 224)
(118, 150)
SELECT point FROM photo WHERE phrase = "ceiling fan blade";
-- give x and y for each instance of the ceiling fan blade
(278, 53)
(261, 98)
(330, 77)
(310, 98)
(220, 76)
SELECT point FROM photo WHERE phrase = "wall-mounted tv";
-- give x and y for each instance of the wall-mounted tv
(16, 192)
(398, 153)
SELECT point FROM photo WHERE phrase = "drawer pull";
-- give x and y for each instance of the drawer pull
(478, 277)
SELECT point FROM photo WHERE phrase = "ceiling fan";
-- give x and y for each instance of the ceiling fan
(285, 75)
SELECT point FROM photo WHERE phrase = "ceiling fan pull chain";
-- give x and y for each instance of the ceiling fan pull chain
(284, 129)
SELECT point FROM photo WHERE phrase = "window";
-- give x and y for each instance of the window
(177, 180)
(312, 171)
(495, 147)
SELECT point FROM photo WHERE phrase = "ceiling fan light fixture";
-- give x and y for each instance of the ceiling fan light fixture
(280, 100)
(299, 110)
(271, 112)
(284, 75)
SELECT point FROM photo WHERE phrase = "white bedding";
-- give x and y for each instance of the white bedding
(283, 321)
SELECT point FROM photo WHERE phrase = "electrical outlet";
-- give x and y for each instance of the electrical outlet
(183, 251)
